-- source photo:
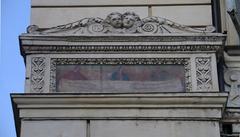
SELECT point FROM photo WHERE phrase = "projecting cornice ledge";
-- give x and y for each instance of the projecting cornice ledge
(120, 106)
(119, 43)
(120, 33)
(160, 100)
(166, 106)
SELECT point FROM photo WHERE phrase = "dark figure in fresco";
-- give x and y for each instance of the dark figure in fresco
(119, 74)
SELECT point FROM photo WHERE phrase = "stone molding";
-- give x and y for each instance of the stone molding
(121, 106)
(118, 49)
(117, 23)
(121, 43)
(126, 100)
(231, 115)
(163, 106)
(232, 61)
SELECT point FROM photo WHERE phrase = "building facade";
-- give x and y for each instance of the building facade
(130, 68)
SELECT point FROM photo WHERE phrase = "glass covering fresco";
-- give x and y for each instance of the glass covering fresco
(120, 78)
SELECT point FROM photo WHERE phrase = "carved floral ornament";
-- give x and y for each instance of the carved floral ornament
(117, 23)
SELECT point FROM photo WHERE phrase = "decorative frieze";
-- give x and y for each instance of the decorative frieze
(38, 66)
(118, 48)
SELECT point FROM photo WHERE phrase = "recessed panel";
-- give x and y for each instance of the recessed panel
(120, 78)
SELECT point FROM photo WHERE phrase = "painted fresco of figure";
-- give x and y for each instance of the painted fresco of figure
(120, 78)
(74, 74)
(120, 74)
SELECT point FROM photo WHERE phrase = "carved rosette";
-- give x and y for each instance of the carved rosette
(232, 79)
(203, 73)
(117, 61)
(37, 74)
(149, 28)
(96, 28)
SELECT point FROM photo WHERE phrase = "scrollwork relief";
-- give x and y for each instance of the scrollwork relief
(117, 23)
(37, 74)
(203, 73)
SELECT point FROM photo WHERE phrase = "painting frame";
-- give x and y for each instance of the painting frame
(119, 61)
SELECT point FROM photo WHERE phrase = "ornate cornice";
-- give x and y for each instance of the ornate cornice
(175, 37)
(117, 23)
(119, 49)
(120, 33)
(184, 99)
(121, 43)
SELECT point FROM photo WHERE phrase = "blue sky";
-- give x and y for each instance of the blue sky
(15, 17)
